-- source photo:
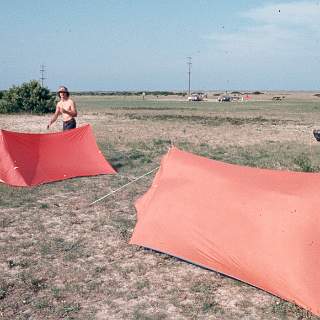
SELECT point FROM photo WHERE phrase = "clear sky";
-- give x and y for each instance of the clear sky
(144, 44)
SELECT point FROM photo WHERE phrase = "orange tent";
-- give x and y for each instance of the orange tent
(256, 225)
(28, 159)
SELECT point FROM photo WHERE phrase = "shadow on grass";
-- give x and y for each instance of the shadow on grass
(207, 120)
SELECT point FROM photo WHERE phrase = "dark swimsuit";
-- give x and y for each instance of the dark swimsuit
(70, 124)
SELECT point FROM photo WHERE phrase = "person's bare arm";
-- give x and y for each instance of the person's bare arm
(55, 116)
(72, 111)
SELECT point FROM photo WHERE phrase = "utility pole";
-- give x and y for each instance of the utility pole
(42, 71)
(189, 63)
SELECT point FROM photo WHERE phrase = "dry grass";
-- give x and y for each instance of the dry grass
(61, 259)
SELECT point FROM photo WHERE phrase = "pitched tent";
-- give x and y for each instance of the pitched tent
(256, 225)
(28, 159)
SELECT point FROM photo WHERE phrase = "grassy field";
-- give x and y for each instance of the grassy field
(63, 259)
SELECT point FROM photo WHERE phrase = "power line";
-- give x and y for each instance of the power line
(189, 63)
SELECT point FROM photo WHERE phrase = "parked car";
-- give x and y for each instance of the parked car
(224, 99)
(196, 97)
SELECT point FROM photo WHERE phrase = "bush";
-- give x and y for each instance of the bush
(3, 106)
(29, 97)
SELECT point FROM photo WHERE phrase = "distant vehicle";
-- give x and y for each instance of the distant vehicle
(224, 99)
(236, 98)
(196, 97)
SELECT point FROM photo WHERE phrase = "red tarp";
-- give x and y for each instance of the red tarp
(28, 159)
(260, 226)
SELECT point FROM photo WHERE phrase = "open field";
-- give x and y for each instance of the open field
(60, 259)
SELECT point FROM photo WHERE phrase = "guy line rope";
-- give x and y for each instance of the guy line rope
(118, 189)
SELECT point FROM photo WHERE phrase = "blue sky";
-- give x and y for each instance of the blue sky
(143, 44)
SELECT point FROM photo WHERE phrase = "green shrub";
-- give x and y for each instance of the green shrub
(29, 97)
(3, 106)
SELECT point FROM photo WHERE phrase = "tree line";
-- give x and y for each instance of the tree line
(31, 97)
